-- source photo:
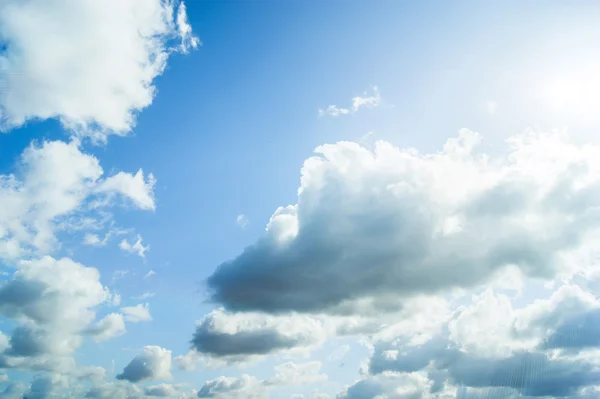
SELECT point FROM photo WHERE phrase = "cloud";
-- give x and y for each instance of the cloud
(93, 80)
(246, 386)
(389, 386)
(150, 274)
(56, 189)
(358, 102)
(236, 336)
(242, 221)
(286, 375)
(114, 390)
(135, 314)
(52, 302)
(393, 223)
(138, 189)
(489, 345)
(290, 374)
(135, 248)
(112, 325)
(152, 363)
(161, 390)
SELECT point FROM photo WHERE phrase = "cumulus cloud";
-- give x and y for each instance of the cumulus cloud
(390, 386)
(135, 314)
(93, 80)
(137, 188)
(110, 326)
(53, 302)
(136, 248)
(239, 335)
(490, 346)
(365, 101)
(246, 386)
(396, 223)
(152, 363)
(57, 188)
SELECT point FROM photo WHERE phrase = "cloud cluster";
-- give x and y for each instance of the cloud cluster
(534, 351)
(59, 188)
(288, 374)
(61, 61)
(393, 223)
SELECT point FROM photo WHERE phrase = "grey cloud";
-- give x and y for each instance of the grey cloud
(396, 223)
(578, 332)
(222, 334)
(153, 362)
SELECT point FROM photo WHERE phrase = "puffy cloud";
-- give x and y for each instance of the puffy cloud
(238, 335)
(110, 326)
(53, 301)
(135, 314)
(246, 387)
(46, 386)
(114, 390)
(395, 223)
(61, 62)
(152, 363)
(491, 346)
(358, 102)
(161, 390)
(137, 188)
(389, 386)
(57, 188)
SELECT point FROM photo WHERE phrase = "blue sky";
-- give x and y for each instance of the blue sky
(447, 226)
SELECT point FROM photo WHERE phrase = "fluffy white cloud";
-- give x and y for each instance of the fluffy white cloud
(137, 188)
(240, 335)
(365, 101)
(58, 188)
(394, 223)
(135, 314)
(152, 363)
(53, 301)
(110, 326)
(62, 62)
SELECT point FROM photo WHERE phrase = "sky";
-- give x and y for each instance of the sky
(263, 199)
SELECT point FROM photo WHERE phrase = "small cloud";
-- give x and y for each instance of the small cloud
(135, 314)
(365, 101)
(119, 274)
(115, 299)
(150, 273)
(145, 295)
(135, 248)
(92, 239)
(242, 221)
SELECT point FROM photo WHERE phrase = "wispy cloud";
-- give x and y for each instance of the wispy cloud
(358, 102)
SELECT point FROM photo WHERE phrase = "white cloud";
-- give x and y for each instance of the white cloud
(242, 221)
(145, 295)
(365, 101)
(53, 191)
(110, 326)
(247, 387)
(135, 248)
(429, 222)
(135, 187)
(390, 386)
(53, 302)
(62, 62)
(150, 274)
(138, 313)
(152, 363)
